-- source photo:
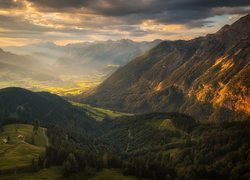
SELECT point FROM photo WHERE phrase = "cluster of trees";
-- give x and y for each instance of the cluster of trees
(192, 151)
(76, 151)
(213, 151)
(149, 168)
(1, 128)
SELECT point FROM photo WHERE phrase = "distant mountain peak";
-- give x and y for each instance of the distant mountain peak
(224, 29)
(242, 25)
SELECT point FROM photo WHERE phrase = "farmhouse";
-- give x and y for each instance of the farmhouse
(20, 137)
(5, 141)
(20, 108)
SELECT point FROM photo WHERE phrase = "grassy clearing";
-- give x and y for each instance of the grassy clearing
(163, 124)
(99, 113)
(18, 154)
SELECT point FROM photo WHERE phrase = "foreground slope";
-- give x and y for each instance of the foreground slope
(19, 153)
(206, 77)
(174, 146)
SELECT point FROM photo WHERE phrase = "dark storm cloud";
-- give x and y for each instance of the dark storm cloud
(190, 12)
(16, 27)
(60, 4)
(6, 4)
(22, 27)
(114, 19)
(17, 23)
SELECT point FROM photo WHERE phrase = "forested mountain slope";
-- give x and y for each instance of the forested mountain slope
(21, 105)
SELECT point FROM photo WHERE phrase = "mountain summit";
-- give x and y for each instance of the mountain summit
(207, 77)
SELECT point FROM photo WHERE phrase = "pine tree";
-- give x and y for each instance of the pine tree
(33, 164)
(1, 127)
(36, 126)
(66, 167)
(70, 165)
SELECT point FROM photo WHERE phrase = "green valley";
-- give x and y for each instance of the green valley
(99, 113)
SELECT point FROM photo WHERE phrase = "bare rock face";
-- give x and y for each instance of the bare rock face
(207, 77)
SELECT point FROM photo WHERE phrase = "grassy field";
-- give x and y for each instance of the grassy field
(17, 154)
(99, 113)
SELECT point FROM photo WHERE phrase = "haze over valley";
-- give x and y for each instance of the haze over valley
(66, 70)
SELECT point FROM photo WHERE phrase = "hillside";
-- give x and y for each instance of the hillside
(173, 145)
(18, 154)
(140, 132)
(206, 77)
(22, 105)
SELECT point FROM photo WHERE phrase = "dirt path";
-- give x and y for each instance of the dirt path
(45, 136)
(130, 137)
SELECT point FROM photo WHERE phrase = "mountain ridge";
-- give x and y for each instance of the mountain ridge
(18, 104)
(195, 77)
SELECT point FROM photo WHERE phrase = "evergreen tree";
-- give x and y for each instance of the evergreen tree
(70, 165)
(1, 127)
(36, 126)
(66, 168)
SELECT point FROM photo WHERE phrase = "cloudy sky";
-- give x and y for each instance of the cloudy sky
(68, 21)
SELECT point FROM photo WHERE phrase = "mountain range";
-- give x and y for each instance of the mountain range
(88, 58)
(206, 77)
